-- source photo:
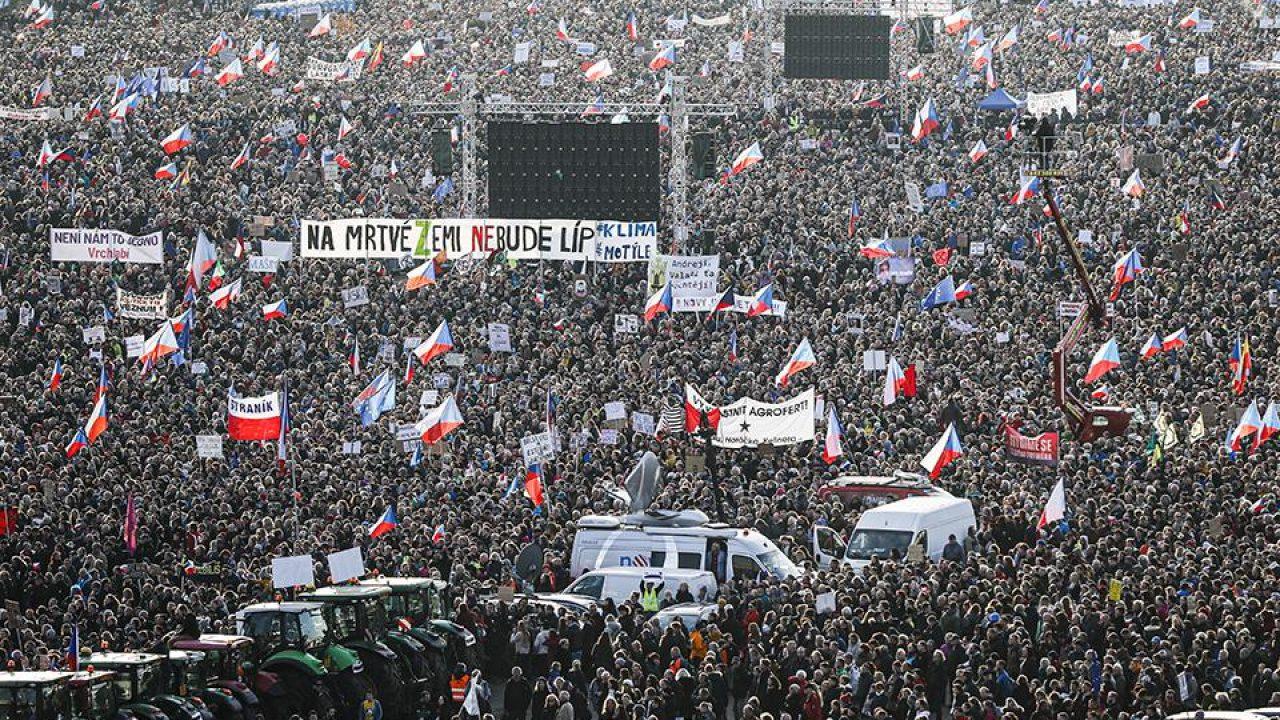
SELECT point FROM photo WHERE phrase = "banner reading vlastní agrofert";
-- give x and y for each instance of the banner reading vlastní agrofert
(608, 241)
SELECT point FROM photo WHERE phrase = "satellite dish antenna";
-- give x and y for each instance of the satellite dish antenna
(643, 482)
(528, 563)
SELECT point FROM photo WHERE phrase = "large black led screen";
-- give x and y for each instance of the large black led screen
(588, 171)
(837, 47)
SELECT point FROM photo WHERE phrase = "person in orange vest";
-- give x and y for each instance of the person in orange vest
(458, 683)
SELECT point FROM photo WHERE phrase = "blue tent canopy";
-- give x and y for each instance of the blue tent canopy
(998, 101)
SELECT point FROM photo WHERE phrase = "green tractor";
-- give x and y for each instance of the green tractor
(93, 695)
(214, 667)
(395, 662)
(140, 687)
(423, 606)
(291, 642)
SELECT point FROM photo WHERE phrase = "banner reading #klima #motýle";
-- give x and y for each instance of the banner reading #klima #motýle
(608, 241)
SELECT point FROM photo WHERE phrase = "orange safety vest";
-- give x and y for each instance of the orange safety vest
(458, 688)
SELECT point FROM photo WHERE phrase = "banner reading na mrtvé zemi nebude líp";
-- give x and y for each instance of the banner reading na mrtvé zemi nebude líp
(608, 241)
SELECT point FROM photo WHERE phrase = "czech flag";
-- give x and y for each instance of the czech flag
(97, 423)
(562, 32)
(1199, 103)
(42, 92)
(345, 128)
(1100, 393)
(220, 43)
(1175, 340)
(1152, 347)
(241, 159)
(268, 62)
(926, 121)
(1241, 364)
(964, 291)
(421, 276)
(877, 249)
(103, 384)
(957, 21)
(229, 74)
(1056, 508)
(44, 19)
(761, 302)
(1134, 187)
(385, 524)
(275, 311)
(915, 73)
(160, 345)
(437, 535)
(322, 27)
(167, 172)
(943, 453)
(1270, 426)
(1191, 20)
(1126, 270)
(895, 382)
(666, 57)
(748, 157)
(1250, 424)
(831, 450)
(176, 140)
(533, 485)
(224, 296)
(855, 214)
(724, 303)
(978, 152)
(360, 51)
(440, 342)
(47, 155)
(800, 359)
(1141, 44)
(77, 443)
(1009, 40)
(633, 27)
(658, 303)
(440, 421)
(599, 70)
(1106, 358)
(56, 378)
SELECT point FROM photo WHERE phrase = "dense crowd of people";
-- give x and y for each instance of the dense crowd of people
(1158, 595)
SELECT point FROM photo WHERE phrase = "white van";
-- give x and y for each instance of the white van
(896, 528)
(683, 539)
(620, 583)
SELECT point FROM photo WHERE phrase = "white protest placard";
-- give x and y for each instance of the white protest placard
(546, 79)
(345, 71)
(585, 48)
(1041, 104)
(1202, 65)
(77, 51)
(537, 448)
(454, 359)
(411, 342)
(346, 565)
(430, 398)
(263, 264)
(977, 248)
(133, 345)
(625, 323)
(874, 361)
(693, 278)
(825, 603)
(615, 410)
(499, 337)
(281, 249)
(913, 195)
(642, 423)
(142, 307)
(520, 55)
(209, 446)
(104, 246)
(735, 53)
(294, 571)
(352, 447)
(95, 335)
(609, 436)
(198, 367)
(750, 423)
(355, 297)
(441, 380)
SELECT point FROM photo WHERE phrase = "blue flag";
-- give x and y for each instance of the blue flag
(942, 293)
(377, 398)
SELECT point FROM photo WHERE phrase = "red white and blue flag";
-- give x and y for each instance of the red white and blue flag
(385, 524)
(761, 302)
(440, 421)
(831, 449)
(1126, 270)
(658, 303)
(946, 451)
(801, 359)
(440, 342)
(1104, 360)
(55, 379)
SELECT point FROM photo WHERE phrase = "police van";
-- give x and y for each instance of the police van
(684, 539)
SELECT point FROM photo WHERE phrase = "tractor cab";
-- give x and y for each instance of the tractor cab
(217, 662)
(40, 695)
(354, 613)
(139, 681)
(93, 694)
(187, 675)
(424, 607)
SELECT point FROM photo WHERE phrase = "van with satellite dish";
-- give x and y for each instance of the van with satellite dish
(620, 583)
(682, 539)
(917, 526)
